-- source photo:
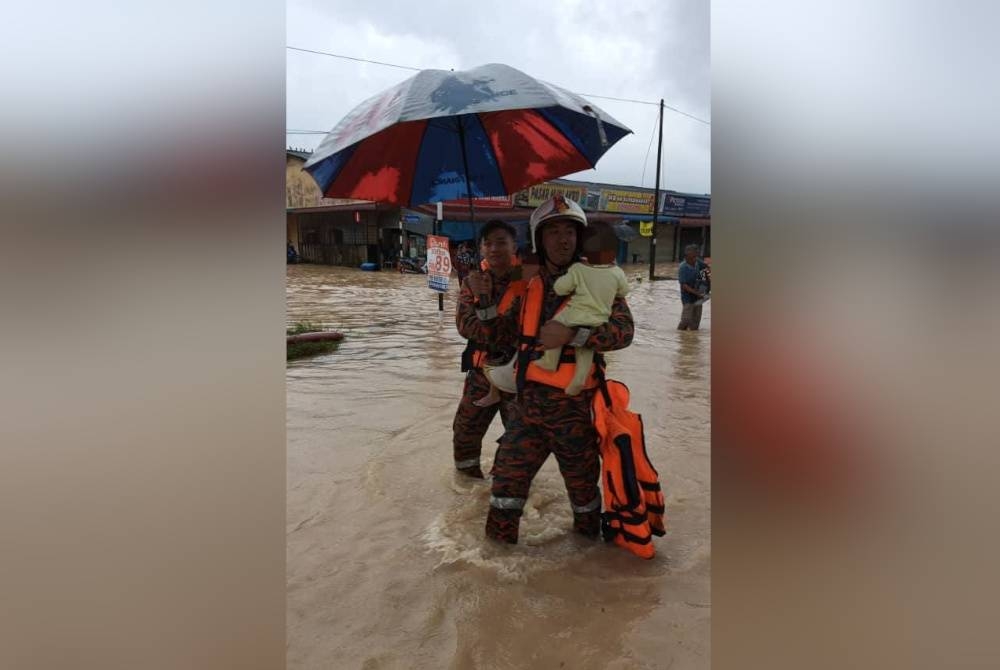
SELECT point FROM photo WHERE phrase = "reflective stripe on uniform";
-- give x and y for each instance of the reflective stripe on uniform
(468, 463)
(589, 507)
(507, 503)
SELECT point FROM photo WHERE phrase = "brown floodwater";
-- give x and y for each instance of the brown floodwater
(387, 566)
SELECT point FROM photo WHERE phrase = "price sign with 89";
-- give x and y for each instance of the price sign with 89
(442, 263)
(438, 263)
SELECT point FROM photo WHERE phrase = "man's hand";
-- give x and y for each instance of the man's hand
(481, 283)
(554, 335)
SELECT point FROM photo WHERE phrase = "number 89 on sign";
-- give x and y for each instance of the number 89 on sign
(441, 263)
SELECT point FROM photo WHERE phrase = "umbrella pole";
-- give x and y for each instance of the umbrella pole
(484, 300)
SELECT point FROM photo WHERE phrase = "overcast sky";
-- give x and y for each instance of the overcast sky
(639, 49)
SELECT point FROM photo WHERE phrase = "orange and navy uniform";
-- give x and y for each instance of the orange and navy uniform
(472, 422)
(546, 420)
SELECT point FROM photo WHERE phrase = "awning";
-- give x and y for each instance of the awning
(695, 223)
(463, 231)
(670, 220)
(361, 206)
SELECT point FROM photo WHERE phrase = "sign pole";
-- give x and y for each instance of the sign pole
(437, 224)
(656, 198)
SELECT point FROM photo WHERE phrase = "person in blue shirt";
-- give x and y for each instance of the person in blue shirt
(693, 277)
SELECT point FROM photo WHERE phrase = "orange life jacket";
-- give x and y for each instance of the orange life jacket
(475, 354)
(633, 501)
(527, 370)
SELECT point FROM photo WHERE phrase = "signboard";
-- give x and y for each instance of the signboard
(536, 195)
(680, 205)
(646, 228)
(697, 207)
(489, 202)
(627, 202)
(673, 204)
(438, 263)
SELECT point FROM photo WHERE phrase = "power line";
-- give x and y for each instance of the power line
(416, 69)
(646, 102)
(608, 97)
(652, 134)
(360, 60)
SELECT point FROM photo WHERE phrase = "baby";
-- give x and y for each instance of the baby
(594, 284)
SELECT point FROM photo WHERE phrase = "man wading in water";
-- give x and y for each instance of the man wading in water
(692, 276)
(502, 284)
(544, 419)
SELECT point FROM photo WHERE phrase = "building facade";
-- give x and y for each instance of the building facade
(350, 232)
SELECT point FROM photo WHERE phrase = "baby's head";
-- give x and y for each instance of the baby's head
(600, 244)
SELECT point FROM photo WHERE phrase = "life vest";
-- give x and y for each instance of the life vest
(633, 501)
(475, 353)
(527, 370)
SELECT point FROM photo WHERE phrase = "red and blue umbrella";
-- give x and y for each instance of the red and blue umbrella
(439, 135)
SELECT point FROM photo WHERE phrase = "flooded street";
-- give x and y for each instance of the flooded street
(387, 565)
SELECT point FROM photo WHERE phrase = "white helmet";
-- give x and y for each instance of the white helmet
(558, 207)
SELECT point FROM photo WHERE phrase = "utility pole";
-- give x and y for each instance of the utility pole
(656, 199)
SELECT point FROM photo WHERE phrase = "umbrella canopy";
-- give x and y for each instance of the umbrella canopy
(441, 135)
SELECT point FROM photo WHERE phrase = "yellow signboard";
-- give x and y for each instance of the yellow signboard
(536, 195)
(627, 202)
(646, 228)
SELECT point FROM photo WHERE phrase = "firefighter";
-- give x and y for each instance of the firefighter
(485, 296)
(546, 420)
